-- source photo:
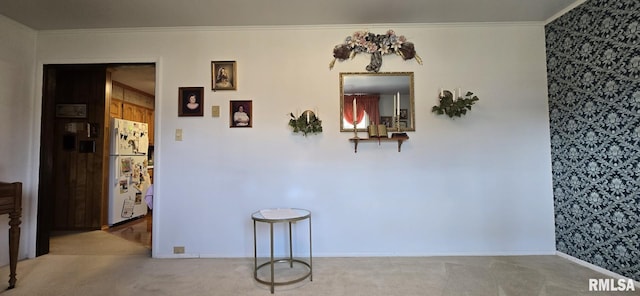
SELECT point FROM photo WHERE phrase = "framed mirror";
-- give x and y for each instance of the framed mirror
(380, 98)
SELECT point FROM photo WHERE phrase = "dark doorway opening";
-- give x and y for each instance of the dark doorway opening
(78, 102)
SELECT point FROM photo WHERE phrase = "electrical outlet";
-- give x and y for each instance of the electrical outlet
(178, 250)
(178, 134)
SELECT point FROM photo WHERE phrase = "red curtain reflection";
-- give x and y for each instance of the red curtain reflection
(364, 103)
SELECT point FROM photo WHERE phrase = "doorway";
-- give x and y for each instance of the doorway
(77, 106)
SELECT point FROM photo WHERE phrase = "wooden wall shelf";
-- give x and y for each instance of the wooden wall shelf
(400, 140)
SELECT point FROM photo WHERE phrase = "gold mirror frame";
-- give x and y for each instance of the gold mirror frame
(383, 84)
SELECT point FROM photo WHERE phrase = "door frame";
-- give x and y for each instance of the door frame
(43, 211)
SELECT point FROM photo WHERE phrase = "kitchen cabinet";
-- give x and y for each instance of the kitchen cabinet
(133, 112)
(149, 119)
(128, 111)
(115, 109)
(132, 104)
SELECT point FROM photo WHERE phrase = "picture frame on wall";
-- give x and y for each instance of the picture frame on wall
(224, 75)
(404, 114)
(191, 101)
(240, 114)
(387, 121)
(71, 110)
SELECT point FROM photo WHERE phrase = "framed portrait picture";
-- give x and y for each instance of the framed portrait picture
(190, 101)
(387, 121)
(224, 75)
(240, 114)
(404, 114)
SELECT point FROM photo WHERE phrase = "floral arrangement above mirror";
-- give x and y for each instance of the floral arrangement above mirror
(377, 45)
(306, 123)
(453, 105)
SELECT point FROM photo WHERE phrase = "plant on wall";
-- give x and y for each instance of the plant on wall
(375, 44)
(454, 106)
(306, 123)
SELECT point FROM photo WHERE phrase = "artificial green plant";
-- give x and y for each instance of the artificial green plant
(305, 123)
(454, 107)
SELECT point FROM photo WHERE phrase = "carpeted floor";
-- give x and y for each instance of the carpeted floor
(95, 243)
(99, 263)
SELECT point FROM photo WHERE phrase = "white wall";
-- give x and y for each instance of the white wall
(17, 64)
(475, 185)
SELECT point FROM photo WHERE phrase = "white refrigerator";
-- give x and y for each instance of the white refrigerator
(128, 176)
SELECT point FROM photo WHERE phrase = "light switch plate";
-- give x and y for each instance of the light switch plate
(178, 134)
(215, 111)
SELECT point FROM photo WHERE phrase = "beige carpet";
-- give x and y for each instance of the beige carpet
(94, 243)
(115, 267)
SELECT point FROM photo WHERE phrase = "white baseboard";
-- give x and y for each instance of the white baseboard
(596, 268)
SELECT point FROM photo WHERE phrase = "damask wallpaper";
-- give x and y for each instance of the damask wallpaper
(593, 65)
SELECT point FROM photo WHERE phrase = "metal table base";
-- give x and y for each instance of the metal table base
(284, 216)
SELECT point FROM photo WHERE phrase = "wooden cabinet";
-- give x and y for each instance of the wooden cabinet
(115, 109)
(132, 104)
(149, 119)
(11, 203)
(132, 112)
(128, 111)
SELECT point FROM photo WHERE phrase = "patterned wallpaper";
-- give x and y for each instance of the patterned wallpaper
(593, 65)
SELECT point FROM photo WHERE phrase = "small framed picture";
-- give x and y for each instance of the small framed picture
(240, 114)
(224, 75)
(386, 120)
(71, 110)
(190, 101)
(404, 114)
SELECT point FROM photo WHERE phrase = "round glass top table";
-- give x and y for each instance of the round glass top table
(280, 215)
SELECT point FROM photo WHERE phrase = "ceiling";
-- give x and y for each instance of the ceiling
(139, 76)
(93, 14)
(96, 14)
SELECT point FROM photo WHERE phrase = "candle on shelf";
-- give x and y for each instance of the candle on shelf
(355, 113)
(307, 117)
(441, 93)
(398, 114)
(398, 110)
(459, 92)
(395, 104)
